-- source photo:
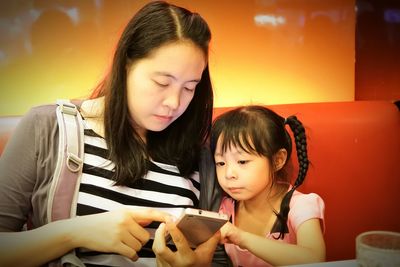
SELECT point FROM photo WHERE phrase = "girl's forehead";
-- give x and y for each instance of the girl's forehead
(239, 143)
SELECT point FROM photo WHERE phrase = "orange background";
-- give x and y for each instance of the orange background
(267, 52)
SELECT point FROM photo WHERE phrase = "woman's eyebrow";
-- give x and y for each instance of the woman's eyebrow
(173, 77)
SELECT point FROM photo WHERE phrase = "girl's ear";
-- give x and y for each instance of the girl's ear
(280, 159)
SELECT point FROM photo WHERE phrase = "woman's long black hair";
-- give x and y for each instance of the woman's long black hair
(156, 24)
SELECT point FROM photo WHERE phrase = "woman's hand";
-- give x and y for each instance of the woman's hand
(118, 231)
(184, 256)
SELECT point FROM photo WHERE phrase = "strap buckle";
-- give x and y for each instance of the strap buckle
(74, 163)
(68, 108)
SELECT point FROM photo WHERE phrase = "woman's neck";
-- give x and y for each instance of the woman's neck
(93, 112)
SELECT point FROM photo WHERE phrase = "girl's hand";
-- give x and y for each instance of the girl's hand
(184, 256)
(231, 234)
(118, 231)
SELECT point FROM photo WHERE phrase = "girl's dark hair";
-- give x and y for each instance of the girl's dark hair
(259, 130)
(156, 24)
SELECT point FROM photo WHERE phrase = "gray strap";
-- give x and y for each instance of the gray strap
(64, 188)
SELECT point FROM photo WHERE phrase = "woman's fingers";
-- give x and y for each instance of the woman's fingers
(178, 238)
(127, 251)
(132, 242)
(209, 246)
(146, 216)
(159, 245)
(137, 232)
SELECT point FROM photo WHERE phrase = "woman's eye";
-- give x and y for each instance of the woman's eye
(189, 89)
(242, 162)
(161, 84)
(220, 163)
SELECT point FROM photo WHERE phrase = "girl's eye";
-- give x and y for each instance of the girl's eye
(242, 162)
(220, 163)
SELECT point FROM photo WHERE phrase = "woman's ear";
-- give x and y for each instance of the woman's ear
(280, 159)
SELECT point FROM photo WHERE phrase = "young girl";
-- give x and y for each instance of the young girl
(144, 132)
(272, 223)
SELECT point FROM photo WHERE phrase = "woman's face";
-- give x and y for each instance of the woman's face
(161, 86)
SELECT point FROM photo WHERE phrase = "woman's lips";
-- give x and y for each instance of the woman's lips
(163, 118)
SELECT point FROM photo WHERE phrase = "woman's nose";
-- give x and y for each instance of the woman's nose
(172, 98)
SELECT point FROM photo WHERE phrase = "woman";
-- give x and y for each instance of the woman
(144, 131)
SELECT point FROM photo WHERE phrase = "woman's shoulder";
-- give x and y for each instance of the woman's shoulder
(37, 114)
(46, 110)
(46, 113)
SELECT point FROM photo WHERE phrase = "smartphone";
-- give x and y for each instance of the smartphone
(199, 225)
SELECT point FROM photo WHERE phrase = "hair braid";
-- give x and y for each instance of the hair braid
(300, 140)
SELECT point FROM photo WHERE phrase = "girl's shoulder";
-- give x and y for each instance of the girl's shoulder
(300, 198)
(305, 206)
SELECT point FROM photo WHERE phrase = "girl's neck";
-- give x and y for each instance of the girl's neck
(268, 200)
(258, 215)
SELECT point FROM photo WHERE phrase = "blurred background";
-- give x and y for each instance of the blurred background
(262, 51)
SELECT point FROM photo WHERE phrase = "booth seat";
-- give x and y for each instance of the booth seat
(354, 149)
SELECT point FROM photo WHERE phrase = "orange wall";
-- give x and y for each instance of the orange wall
(267, 52)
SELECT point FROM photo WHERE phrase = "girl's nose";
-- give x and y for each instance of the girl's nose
(230, 173)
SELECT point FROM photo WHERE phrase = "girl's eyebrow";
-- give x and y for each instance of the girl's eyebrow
(237, 152)
(173, 77)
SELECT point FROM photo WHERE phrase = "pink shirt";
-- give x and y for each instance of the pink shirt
(302, 208)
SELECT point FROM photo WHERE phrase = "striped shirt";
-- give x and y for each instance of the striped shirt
(162, 188)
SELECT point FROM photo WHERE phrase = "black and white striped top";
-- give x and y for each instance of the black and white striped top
(162, 188)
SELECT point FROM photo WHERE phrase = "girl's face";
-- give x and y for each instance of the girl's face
(161, 86)
(242, 175)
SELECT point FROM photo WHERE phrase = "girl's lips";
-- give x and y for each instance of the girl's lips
(235, 189)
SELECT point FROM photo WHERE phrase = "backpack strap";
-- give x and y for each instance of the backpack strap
(64, 188)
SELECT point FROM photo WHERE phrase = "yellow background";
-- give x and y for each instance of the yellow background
(304, 51)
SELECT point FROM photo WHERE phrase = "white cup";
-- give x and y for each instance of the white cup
(378, 249)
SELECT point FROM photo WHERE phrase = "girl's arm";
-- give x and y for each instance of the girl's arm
(310, 245)
(119, 232)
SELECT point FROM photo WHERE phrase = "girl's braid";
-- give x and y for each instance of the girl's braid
(301, 146)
